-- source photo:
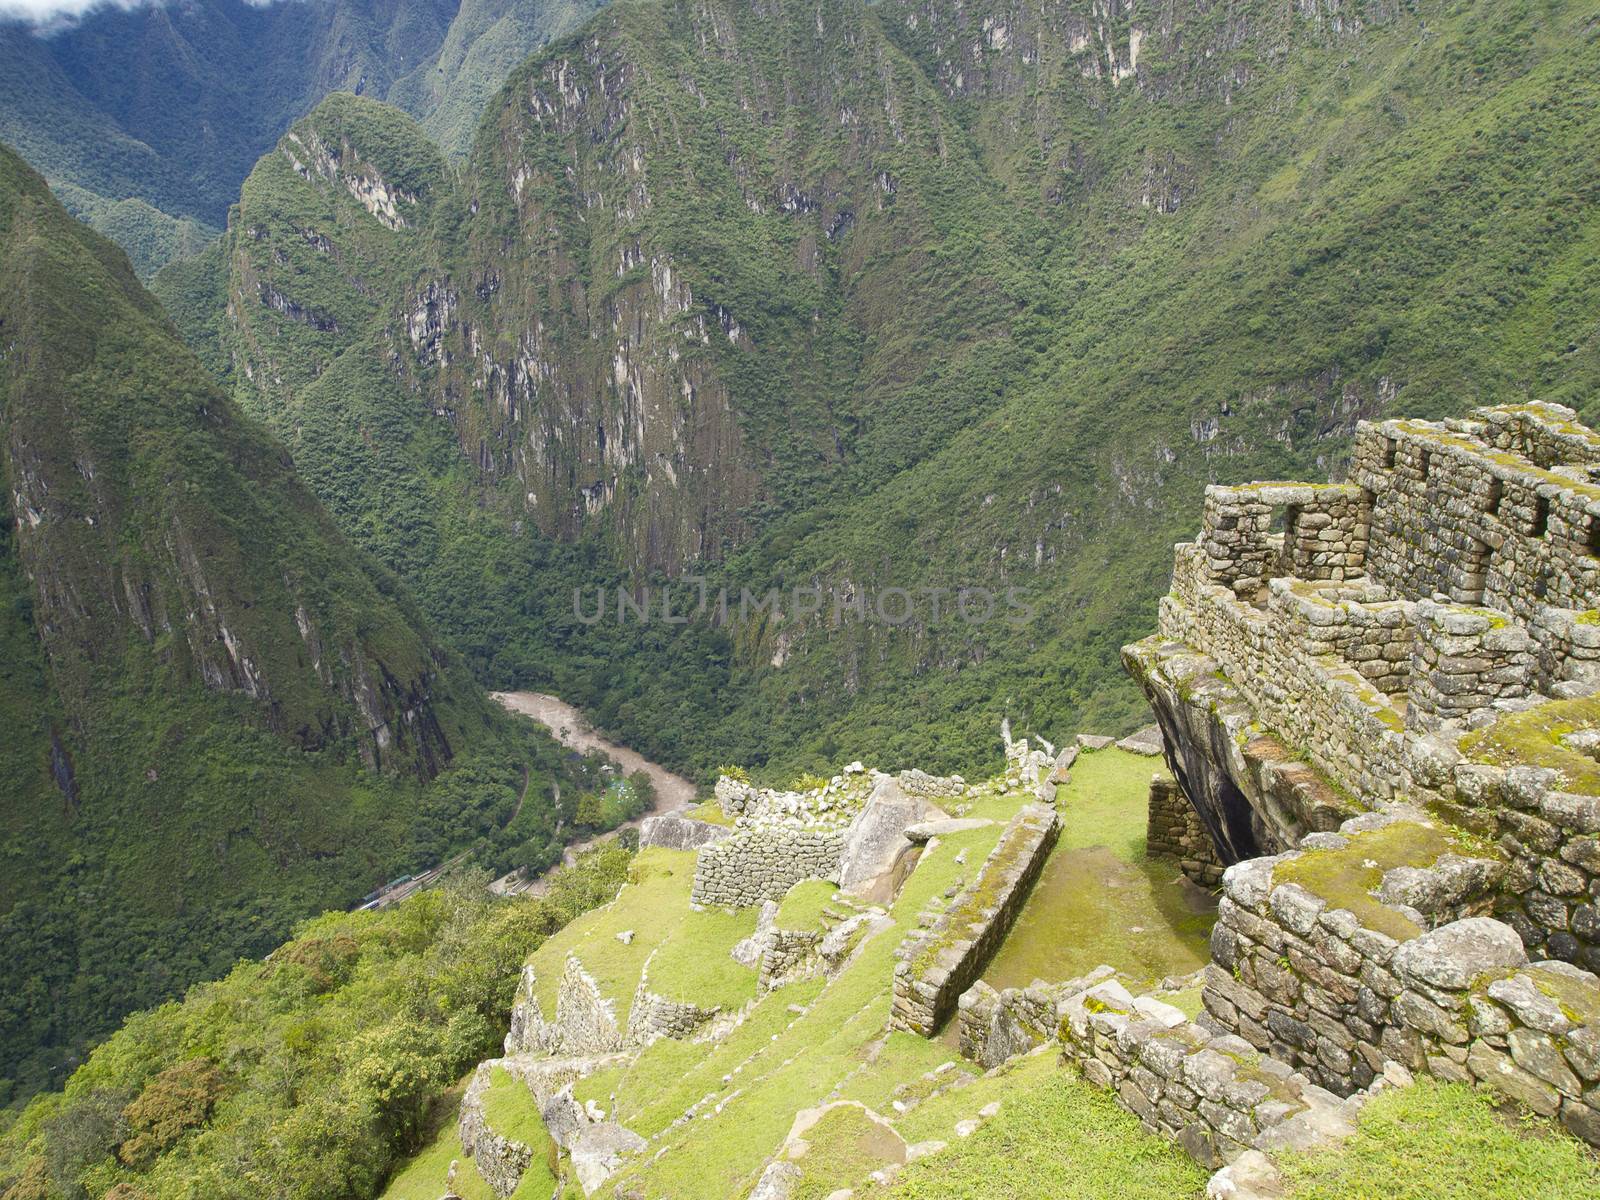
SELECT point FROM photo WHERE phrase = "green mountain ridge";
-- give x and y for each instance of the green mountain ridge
(165, 107)
(220, 715)
(868, 297)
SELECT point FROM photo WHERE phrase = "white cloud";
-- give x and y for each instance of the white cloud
(51, 12)
(48, 14)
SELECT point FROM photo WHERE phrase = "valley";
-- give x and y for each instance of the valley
(524, 520)
(571, 728)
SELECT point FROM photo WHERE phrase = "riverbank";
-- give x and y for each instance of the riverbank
(571, 728)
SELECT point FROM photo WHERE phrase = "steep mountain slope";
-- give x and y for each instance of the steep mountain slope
(168, 105)
(916, 296)
(220, 715)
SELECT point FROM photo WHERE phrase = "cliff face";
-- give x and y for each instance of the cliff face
(916, 296)
(219, 714)
(151, 522)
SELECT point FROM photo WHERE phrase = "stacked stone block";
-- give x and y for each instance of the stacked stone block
(1324, 534)
(1552, 839)
(998, 1025)
(1464, 661)
(940, 962)
(788, 956)
(1569, 648)
(1212, 1093)
(1283, 659)
(762, 862)
(1498, 510)
(1175, 830)
(653, 1016)
(1315, 984)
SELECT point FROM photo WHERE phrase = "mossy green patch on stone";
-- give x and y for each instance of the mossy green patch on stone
(1346, 877)
(710, 812)
(1533, 739)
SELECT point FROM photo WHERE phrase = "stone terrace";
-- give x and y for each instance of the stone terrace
(1391, 686)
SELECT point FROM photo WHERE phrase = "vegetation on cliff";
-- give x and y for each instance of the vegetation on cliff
(308, 1074)
(220, 716)
(146, 117)
(901, 295)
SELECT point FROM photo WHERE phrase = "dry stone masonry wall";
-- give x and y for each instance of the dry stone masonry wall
(940, 962)
(1175, 830)
(1392, 687)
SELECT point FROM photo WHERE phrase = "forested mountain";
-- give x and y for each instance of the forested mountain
(145, 118)
(220, 716)
(901, 295)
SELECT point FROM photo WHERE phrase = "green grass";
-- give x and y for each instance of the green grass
(510, 1109)
(1439, 1141)
(1099, 899)
(710, 811)
(779, 1063)
(694, 964)
(423, 1176)
(691, 960)
(1055, 1138)
(1105, 801)
(802, 906)
(845, 1146)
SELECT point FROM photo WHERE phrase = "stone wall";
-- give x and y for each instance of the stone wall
(1401, 974)
(790, 954)
(997, 1025)
(1482, 511)
(653, 1016)
(585, 1022)
(1465, 660)
(1308, 976)
(1323, 534)
(1284, 658)
(499, 1159)
(1176, 831)
(938, 963)
(1211, 1093)
(1251, 791)
(762, 862)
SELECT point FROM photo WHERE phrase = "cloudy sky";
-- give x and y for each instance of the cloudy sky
(41, 11)
(44, 12)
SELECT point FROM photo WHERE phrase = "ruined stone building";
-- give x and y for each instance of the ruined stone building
(1381, 700)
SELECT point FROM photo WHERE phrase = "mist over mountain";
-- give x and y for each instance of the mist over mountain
(145, 118)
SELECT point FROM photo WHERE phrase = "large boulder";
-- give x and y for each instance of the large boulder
(674, 831)
(876, 839)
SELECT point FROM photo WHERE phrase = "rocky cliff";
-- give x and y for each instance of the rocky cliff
(220, 713)
(902, 296)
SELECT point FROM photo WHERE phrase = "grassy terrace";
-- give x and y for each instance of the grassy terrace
(1056, 1137)
(423, 1177)
(802, 907)
(1099, 899)
(1441, 1141)
(692, 962)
